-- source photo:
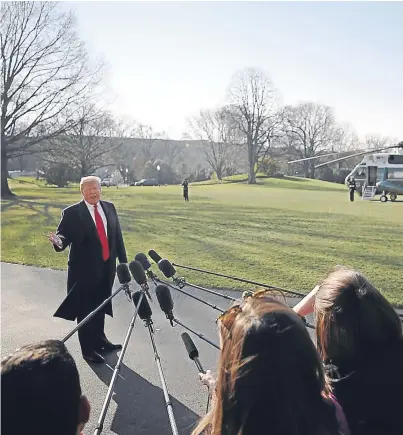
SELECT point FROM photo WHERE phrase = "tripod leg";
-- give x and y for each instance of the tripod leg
(108, 397)
(164, 387)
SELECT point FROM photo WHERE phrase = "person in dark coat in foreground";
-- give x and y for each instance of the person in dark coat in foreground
(92, 231)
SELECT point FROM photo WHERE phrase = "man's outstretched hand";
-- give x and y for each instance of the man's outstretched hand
(55, 240)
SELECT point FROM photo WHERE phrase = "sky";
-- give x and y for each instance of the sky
(168, 60)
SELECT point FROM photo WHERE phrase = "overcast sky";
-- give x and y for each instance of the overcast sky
(168, 60)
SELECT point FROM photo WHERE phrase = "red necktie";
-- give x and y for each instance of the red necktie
(102, 234)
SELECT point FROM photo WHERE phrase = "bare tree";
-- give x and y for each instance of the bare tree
(253, 107)
(92, 143)
(218, 134)
(312, 130)
(147, 138)
(45, 69)
(376, 142)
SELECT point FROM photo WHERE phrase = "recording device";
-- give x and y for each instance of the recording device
(194, 356)
(165, 300)
(139, 276)
(122, 271)
(165, 266)
(166, 303)
(192, 351)
(154, 256)
(144, 309)
(143, 260)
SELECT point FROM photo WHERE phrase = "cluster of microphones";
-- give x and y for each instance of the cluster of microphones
(140, 269)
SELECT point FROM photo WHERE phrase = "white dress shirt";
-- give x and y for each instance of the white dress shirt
(101, 213)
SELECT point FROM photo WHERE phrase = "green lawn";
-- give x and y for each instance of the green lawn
(288, 233)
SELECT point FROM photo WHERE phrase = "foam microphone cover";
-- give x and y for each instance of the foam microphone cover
(144, 310)
(166, 268)
(164, 298)
(154, 256)
(190, 346)
(122, 271)
(138, 272)
(143, 260)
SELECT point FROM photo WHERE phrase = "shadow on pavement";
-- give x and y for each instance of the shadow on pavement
(141, 406)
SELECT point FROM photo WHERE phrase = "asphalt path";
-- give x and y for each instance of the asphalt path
(31, 295)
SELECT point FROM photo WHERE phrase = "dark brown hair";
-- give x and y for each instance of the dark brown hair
(41, 391)
(354, 322)
(270, 378)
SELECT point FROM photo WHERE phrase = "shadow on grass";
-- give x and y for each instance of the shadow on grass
(34, 206)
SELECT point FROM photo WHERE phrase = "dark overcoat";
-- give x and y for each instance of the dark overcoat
(87, 287)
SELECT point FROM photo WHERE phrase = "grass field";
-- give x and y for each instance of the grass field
(288, 232)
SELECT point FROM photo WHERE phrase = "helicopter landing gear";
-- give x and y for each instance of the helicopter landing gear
(384, 198)
(393, 197)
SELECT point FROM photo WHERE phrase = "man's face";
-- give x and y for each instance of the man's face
(91, 192)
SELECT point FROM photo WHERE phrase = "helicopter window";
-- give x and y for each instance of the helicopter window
(396, 160)
(395, 174)
(360, 173)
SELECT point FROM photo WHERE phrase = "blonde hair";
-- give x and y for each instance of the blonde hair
(90, 179)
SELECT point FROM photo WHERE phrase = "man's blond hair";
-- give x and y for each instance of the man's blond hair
(90, 179)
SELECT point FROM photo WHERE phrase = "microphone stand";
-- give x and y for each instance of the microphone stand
(124, 287)
(108, 397)
(201, 336)
(188, 294)
(246, 281)
(168, 402)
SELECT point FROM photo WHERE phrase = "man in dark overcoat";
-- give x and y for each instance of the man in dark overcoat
(91, 230)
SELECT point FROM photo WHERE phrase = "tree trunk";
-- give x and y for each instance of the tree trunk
(5, 189)
(251, 158)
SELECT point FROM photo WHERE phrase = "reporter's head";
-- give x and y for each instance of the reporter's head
(269, 374)
(41, 392)
(354, 322)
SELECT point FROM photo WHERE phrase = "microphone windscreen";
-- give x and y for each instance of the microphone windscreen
(154, 256)
(138, 272)
(122, 271)
(164, 298)
(190, 346)
(166, 268)
(143, 260)
(144, 309)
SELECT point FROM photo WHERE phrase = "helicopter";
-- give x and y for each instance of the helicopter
(392, 187)
(379, 173)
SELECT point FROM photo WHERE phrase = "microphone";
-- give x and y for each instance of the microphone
(154, 256)
(143, 260)
(144, 310)
(139, 276)
(192, 351)
(122, 271)
(165, 266)
(165, 300)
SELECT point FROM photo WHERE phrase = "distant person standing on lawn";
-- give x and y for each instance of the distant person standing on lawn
(185, 185)
(352, 186)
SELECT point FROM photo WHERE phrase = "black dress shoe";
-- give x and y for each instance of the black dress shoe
(108, 346)
(94, 357)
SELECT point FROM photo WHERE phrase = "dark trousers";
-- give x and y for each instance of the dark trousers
(92, 336)
(186, 195)
(352, 194)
